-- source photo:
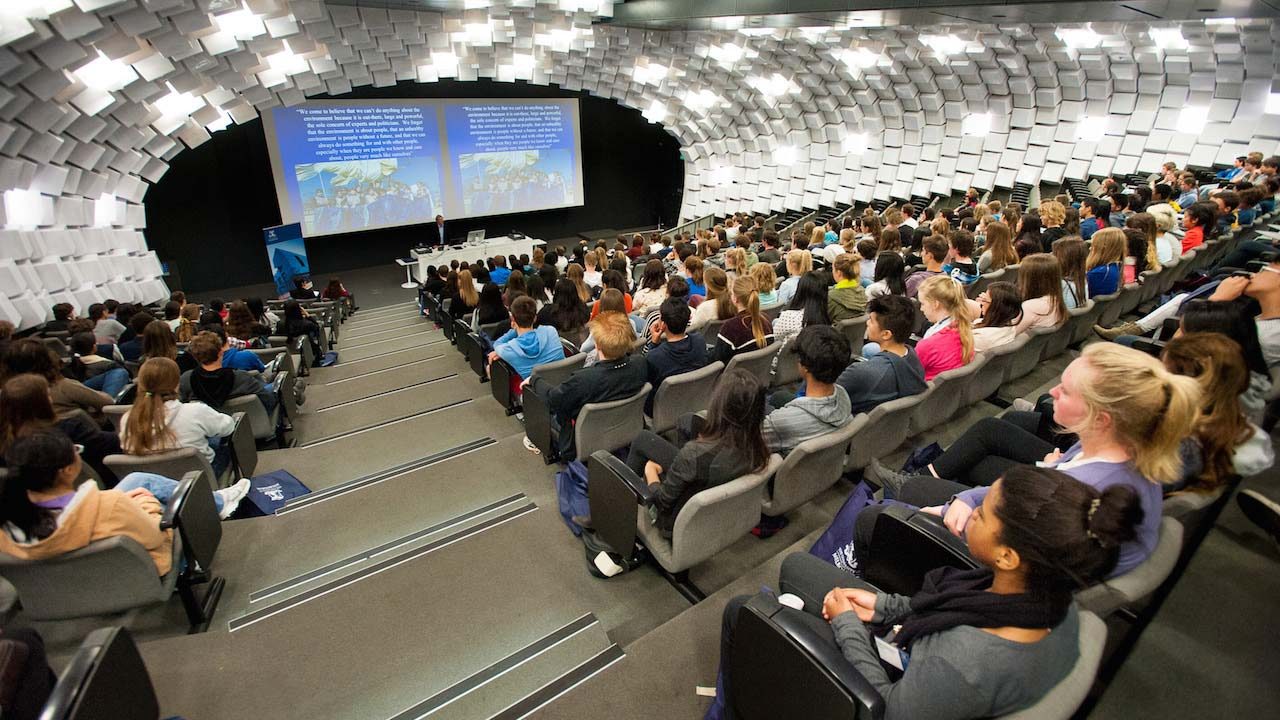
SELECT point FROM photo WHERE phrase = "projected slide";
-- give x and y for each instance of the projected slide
(347, 166)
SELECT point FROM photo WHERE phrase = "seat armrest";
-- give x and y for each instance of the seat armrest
(177, 503)
(636, 484)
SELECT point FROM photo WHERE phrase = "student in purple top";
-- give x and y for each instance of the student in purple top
(1130, 414)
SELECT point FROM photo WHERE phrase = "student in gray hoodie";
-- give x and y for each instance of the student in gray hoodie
(822, 352)
(524, 346)
(895, 371)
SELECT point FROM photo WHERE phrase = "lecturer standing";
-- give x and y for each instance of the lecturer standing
(435, 234)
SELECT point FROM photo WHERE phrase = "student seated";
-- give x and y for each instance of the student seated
(935, 251)
(92, 369)
(242, 327)
(983, 642)
(302, 290)
(1001, 308)
(32, 356)
(214, 384)
(566, 312)
(809, 306)
(728, 445)
(748, 330)
(524, 346)
(894, 371)
(43, 514)
(159, 422)
(1040, 284)
(614, 376)
(158, 341)
(822, 353)
(672, 349)
(234, 357)
(105, 326)
(25, 408)
(131, 349)
(948, 343)
(1129, 413)
(298, 322)
(847, 299)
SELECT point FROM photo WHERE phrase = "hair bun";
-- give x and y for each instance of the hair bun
(1113, 516)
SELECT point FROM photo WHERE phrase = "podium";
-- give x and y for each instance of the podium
(407, 264)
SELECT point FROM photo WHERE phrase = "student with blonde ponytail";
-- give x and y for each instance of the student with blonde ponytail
(188, 323)
(158, 422)
(948, 343)
(1130, 414)
(749, 329)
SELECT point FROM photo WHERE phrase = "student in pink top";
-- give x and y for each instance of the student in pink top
(948, 344)
(1040, 283)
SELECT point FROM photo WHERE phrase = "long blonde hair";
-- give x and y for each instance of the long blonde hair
(737, 257)
(948, 293)
(1000, 245)
(1151, 409)
(467, 289)
(147, 429)
(799, 262)
(819, 237)
(575, 274)
(744, 294)
(1106, 247)
(717, 284)
(764, 276)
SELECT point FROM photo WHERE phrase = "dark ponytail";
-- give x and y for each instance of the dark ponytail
(82, 343)
(34, 461)
(1067, 532)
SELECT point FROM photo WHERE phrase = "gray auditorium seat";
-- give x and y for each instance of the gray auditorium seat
(811, 467)
(1112, 311)
(773, 644)
(710, 332)
(1058, 341)
(105, 680)
(171, 464)
(710, 521)
(759, 362)
(1011, 273)
(560, 370)
(115, 414)
(946, 392)
(992, 373)
(683, 394)
(977, 287)
(116, 574)
(610, 425)
(1081, 320)
(263, 425)
(887, 426)
(1131, 587)
(1026, 358)
(855, 329)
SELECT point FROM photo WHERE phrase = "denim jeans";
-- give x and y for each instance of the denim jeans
(110, 382)
(158, 485)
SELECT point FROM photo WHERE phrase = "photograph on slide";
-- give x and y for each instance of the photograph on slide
(494, 183)
(357, 194)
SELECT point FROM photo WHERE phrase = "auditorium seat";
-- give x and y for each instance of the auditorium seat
(887, 427)
(758, 362)
(116, 574)
(709, 522)
(610, 425)
(990, 376)
(1127, 589)
(683, 394)
(810, 468)
(777, 647)
(106, 679)
(263, 425)
(1028, 357)
(946, 392)
(855, 329)
(177, 463)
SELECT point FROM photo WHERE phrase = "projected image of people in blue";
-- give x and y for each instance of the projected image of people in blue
(356, 194)
(501, 182)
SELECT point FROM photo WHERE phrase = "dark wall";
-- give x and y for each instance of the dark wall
(207, 213)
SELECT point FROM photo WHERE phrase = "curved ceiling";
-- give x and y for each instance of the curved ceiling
(97, 95)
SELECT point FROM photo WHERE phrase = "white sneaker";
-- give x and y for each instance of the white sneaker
(232, 496)
(528, 445)
(1022, 405)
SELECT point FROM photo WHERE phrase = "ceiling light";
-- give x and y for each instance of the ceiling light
(104, 210)
(721, 175)
(1168, 38)
(701, 101)
(1191, 120)
(859, 58)
(1273, 104)
(855, 143)
(656, 112)
(652, 74)
(103, 73)
(22, 208)
(978, 124)
(287, 62)
(772, 86)
(944, 44)
(178, 105)
(1092, 129)
(1078, 38)
(785, 155)
(726, 54)
(242, 23)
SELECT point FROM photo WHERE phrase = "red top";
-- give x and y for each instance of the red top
(1194, 238)
(626, 301)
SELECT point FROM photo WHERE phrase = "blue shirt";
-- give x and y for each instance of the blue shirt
(696, 289)
(1088, 227)
(1187, 199)
(499, 275)
(237, 359)
(1104, 279)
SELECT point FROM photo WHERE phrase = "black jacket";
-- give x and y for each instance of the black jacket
(602, 382)
(215, 388)
(668, 358)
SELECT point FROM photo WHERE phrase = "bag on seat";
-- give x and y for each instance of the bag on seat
(329, 360)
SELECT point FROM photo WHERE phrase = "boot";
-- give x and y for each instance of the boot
(1129, 328)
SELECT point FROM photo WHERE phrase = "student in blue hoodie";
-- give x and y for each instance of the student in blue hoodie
(525, 346)
(893, 372)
